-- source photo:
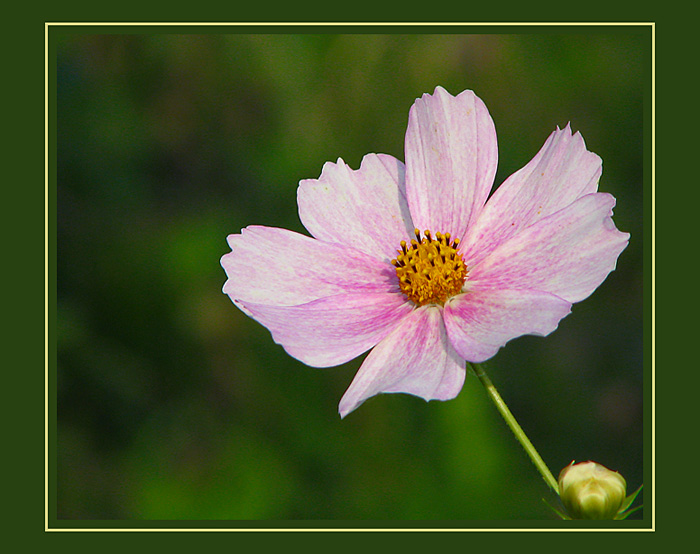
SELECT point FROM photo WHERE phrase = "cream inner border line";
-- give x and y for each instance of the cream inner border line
(352, 24)
(650, 24)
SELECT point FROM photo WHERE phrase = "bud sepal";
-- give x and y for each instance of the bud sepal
(625, 510)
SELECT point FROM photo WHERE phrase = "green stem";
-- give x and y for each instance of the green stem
(517, 430)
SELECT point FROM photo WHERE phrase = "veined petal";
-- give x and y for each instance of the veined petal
(274, 266)
(416, 358)
(366, 208)
(332, 330)
(568, 253)
(451, 158)
(561, 172)
(480, 322)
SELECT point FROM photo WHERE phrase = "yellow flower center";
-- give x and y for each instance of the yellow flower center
(430, 270)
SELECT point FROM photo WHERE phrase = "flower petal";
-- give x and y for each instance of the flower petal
(366, 209)
(451, 158)
(274, 266)
(332, 330)
(568, 253)
(479, 322)
(416, 358)
(561, 172)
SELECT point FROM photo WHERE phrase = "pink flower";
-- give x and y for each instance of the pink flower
(413, 262)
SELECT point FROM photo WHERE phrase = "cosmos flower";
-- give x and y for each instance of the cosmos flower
(415, 262)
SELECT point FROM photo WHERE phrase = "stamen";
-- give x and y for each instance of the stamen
(430, 271)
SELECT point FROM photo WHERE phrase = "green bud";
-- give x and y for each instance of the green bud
(591, 491)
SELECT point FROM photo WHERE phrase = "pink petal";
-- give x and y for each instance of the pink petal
(332, 330)
(274, 266)
(365, 209)
(568, 253)
(561, 172)
(480, 322)
(416, 358)
(451, 158)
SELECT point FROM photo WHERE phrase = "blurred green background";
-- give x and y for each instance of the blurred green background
(174, 405)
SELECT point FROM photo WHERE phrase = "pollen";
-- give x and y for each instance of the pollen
(430, 269)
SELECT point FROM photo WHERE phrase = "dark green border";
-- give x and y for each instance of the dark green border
(52, 254)
(648, 268)
(55, 31)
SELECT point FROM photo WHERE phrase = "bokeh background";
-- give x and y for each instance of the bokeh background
(171, 404)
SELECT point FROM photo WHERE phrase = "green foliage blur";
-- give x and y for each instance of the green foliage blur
(173, 405)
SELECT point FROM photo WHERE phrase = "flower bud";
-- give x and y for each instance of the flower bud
(591, 491)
